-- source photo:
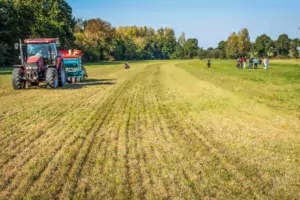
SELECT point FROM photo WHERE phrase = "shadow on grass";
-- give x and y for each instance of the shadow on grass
(90, 82)
(96, 80)
(5, 73)
(115, 62)
(75, 86)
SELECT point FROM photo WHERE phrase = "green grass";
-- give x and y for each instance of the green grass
(162, 129)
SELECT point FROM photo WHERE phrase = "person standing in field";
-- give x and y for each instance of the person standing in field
(244, 62)
(238, 63)
(241, 62)
(250, 63)
(255, 61)
(266, 63)
(260, 62)
(208, 64)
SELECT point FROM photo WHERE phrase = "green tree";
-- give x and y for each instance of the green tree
(244, 44)
(232, 46)
(295, 44)
(201, 53)
(222, 49)
(190, 48)
(178, 53)
(46, 18)
(262, 45)
(282, 45)
(181, 39)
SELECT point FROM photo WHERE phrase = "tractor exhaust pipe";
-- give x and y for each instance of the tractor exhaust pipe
(21, 52)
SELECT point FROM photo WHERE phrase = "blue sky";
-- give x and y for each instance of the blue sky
(210, 21)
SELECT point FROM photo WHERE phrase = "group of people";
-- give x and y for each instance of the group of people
(253, 63)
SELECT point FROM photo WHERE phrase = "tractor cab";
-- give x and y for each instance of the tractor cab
(74, 65)
(45, 48)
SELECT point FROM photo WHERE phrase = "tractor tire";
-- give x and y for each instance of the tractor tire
(17, 81)
(63, 76)
(52, 78)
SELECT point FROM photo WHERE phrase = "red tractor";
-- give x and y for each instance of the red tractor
(40, 62)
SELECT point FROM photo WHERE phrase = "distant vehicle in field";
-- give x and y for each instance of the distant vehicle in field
(74, 65)
(126, 66)
(39, 62)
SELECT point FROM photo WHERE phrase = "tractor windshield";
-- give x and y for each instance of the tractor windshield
(38, 50)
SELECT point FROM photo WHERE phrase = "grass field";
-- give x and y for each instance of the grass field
(162, 129)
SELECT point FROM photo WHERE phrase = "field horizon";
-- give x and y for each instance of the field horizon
(161, 129)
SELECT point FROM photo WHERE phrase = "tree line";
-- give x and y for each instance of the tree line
(101, 41)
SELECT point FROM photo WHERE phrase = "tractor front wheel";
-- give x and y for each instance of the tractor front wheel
(52, 78)
(17, 79)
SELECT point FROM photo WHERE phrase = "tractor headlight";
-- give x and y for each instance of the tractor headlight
(32, 66)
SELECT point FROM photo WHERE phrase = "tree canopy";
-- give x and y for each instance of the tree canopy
(101, 41)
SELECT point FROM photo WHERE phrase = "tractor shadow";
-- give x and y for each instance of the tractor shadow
(89, 82)
(5, 73)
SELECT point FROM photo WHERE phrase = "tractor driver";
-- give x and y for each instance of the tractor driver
(45, 52)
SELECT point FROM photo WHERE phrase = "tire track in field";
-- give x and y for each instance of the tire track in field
(117, 135)
(76, 168)
(154, 155)
(144, 158)
(85, 156)
(87, 119)
(84, 190)
(166, 129)
(137, 138)
(107, 105)
(127, 166)
(174, 133)
(135, 184)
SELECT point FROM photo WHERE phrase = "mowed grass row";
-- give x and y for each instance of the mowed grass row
(158, 130)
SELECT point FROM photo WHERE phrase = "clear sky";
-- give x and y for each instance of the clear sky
(210, 21)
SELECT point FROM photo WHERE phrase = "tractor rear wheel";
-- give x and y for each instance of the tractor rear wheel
(63, 75)
(52, 78)
(17, 81)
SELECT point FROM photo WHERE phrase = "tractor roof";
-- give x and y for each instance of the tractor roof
(41, 40)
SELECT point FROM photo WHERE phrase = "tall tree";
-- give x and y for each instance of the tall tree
(190, 48)
(46, 18)
(222, 49)
(282, 45)
(262, 45)
(232, 46)
(244, 44)
(295, 44)
(181, 39)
